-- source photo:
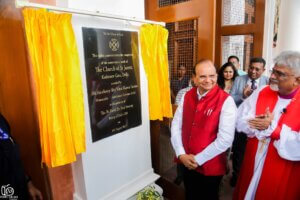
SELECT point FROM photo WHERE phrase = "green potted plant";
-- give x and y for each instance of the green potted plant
(149, 193)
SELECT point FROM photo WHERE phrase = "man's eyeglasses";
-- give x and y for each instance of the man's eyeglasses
(280, 74)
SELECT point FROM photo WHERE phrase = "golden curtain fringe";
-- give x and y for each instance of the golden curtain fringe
(56, 71)
(155, 59)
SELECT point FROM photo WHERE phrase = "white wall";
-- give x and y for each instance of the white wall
(288, 29)
(132, 8)
(289, 26)
(268, 49)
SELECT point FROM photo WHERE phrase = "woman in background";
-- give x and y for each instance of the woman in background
(226, 76)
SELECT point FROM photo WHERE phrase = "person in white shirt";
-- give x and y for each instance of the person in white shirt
(270, 118)
(202, 130)
(184, 90)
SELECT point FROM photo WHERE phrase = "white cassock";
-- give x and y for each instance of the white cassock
(288, 146)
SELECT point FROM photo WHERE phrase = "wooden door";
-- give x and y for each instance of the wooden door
(191, 25)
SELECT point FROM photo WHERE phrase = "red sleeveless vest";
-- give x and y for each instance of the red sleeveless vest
(200, 122)
(280, 177)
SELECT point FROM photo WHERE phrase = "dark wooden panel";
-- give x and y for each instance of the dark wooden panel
(259, 31)
(238, 29)
(18, 104)
(171, 190)
(16, 94)
(61, 181)
(218, 44)
(154, 134)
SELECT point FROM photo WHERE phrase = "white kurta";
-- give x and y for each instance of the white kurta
(225, 133)
(288, 146)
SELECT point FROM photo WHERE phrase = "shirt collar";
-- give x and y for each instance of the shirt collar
(256, 81)
(201, 96)
(289, 96)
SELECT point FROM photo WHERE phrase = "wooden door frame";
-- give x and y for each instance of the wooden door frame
(203, 10)
(205, 13)
(256, 29)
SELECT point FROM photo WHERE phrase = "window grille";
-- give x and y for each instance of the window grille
(163, 3)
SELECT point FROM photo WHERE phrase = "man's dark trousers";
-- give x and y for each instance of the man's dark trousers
(238, 149)
(197, 186)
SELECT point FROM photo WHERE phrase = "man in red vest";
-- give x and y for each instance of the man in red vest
(202, 130)
(270, 118)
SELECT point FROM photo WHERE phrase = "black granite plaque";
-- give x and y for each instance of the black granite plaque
(113, 82)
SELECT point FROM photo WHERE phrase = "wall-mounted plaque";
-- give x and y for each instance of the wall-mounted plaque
(113, 82)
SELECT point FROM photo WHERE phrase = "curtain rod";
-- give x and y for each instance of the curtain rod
(22, 3)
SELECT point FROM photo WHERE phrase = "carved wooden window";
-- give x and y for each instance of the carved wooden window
(163, 3)
(238, 12)
(182, 46)
(240, 46)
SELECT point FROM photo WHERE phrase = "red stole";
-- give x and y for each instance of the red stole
(280, 177)
(200, 123)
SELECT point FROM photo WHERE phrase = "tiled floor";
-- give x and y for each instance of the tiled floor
(226, 190)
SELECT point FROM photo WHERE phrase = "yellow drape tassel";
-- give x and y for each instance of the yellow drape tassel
(56, 71)
(153, 39)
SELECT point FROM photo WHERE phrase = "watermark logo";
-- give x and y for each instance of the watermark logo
(7, 192)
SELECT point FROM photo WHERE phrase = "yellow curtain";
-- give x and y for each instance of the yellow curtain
(56, 71)
(153, 39)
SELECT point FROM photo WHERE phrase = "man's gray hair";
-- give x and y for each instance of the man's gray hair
(289, 59)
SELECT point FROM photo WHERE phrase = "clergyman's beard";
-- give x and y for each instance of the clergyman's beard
(274, 87)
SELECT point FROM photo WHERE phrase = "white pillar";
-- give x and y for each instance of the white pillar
(268, 34)
(289, 26)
